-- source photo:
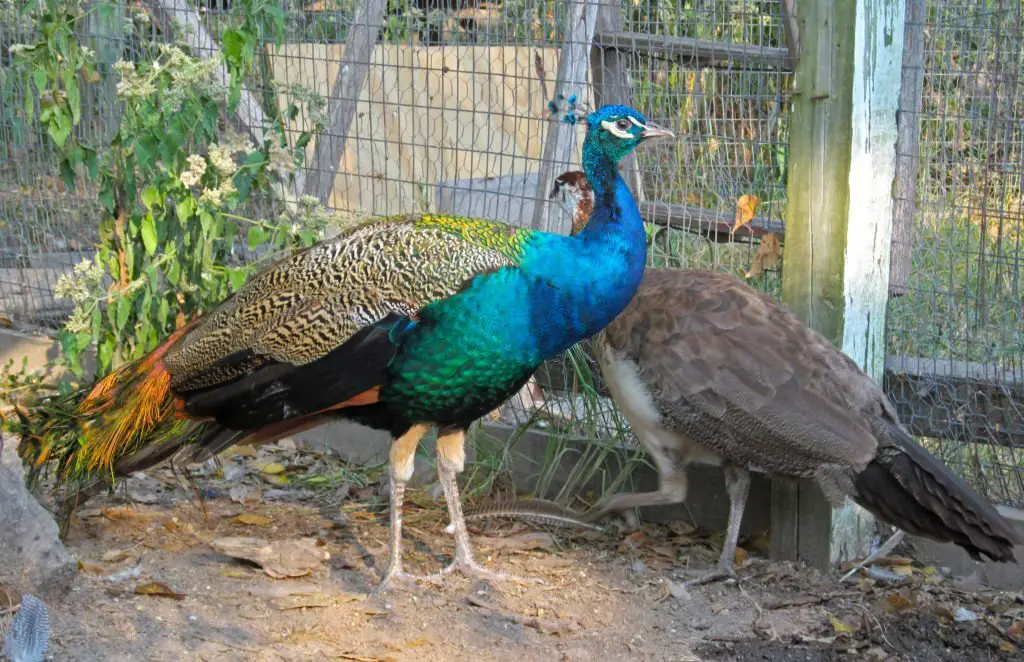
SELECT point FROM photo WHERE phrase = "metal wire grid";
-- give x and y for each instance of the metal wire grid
(962, 312)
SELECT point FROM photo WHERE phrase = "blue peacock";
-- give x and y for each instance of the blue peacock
(400, 324)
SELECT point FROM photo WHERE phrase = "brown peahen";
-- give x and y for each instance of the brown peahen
(708, 370)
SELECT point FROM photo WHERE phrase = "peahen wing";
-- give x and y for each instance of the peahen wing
(286, 343)
(736, 372)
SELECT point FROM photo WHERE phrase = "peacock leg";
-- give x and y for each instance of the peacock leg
(737, 483)
(403, 453)
(451, 459)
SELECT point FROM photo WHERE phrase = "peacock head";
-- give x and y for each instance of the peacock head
(612, 131)
(616, 131)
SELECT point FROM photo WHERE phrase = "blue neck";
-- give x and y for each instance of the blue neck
(594, 274)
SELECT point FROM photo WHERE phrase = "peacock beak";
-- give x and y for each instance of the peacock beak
(652, 131)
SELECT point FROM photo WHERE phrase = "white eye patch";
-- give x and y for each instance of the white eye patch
(616, 131)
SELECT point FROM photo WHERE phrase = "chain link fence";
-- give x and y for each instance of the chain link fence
(956, 340)
(448, 113)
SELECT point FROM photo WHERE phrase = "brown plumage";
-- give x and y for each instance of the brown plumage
(708, 370)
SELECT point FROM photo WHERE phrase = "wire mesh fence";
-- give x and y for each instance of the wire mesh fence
(442, 106)
(955, 335)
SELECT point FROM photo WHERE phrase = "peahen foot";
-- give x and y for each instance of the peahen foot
(473, 570)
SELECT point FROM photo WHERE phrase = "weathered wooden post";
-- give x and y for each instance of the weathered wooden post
(839, 225)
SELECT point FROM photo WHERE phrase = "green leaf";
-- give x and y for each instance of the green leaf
(233, 45)
(40, 78)
(185, 207)
(237, 277)
(174, 273)
(83, 339)
(257, 236)
(74, 98)
(107, 196)
(105, 352)
(151, 197)
(124, 309)
(148, 231)
(59, 128)
(163, 312)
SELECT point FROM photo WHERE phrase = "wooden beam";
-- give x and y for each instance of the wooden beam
(716, 225)
(838, 220)
(699, 52)
(573, 61)
(610, 77)
(907, 148)
(352, 71)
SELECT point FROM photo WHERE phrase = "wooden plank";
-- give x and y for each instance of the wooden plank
(610, 77)
(355, 64)
(573, 61)
(699, 52)
(835, 279)
(907, 148)
(708, 222)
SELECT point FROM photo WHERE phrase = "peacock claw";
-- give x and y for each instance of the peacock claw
(393, 579)
(476, 571)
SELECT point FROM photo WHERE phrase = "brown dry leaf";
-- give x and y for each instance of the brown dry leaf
(246, 494)
(1017, 630)
(252, 519)
(740, 557)
(422, 640)
(278, 558)
(270, 468)
(158, 589)
(374, 612)
(361, 658)
(769, 252)
(117, 555)
(119, 512)
(1006, 647)
(668, 551)
(902, 570)
(745, 208)
(897, 603)
(91, 568)
(635, 540)
(522, 541)
(318, 600)
(841, 627)
(235, 573)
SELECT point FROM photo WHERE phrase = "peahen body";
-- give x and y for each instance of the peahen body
(708, 370)
(400, 324)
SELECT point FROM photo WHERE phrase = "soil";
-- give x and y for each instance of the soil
(153, 587)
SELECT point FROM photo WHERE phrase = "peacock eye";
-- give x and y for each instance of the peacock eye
(623, 124)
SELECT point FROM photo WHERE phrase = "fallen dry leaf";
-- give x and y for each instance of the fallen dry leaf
(91, 568)
(524, 541)
(10, 598)
(769, 252)
(422, 640)
(235, 573)
(278, 558)
(897, 603)
(117, 555)
(318, 600)
(120, 512)
(740, 556)
(745, 208)
(158, 589)
(277, 479)
(902, 570)
(246, 494)
(252, 519)
(1017, 630)
(270, 468)
(841, 627)
(1006, 647)
(282, 590)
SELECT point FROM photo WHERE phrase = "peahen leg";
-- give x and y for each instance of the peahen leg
(451, 458)
(403, 453)
(737, 483)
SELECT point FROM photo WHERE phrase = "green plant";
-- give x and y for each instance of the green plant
(169, 182)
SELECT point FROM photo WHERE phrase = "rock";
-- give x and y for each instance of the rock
(32, 557)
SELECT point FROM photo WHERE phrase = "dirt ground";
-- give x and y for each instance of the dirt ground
(161, 580)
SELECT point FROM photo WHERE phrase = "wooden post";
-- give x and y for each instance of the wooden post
(610, 77)
(355, 64)
(907, 147)
(572, 79)
(838, 225)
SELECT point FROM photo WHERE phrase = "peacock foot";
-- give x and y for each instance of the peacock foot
(473, 570)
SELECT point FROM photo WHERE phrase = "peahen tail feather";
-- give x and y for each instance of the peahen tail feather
(908, 487)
